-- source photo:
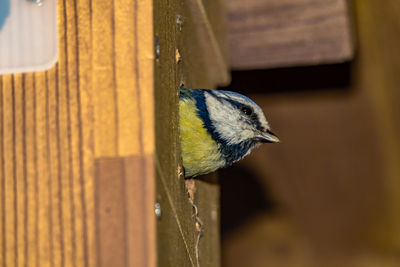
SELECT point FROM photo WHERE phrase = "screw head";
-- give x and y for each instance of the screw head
(157, 48)
(157, 210)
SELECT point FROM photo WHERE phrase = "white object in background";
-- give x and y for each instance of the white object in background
(28, 35)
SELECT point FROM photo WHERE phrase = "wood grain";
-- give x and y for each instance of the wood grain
(276, 33)
(78, 142)
(54, 126)
(198, 67)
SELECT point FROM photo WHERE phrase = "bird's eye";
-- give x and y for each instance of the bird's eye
(247, 110)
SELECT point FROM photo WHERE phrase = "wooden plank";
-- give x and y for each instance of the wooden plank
(378, 76)
(9, 215)
(106, 108)
(54, 128)
(175, 230)
(31, 172)
(276, 33)
(80, 152)
(184, 58)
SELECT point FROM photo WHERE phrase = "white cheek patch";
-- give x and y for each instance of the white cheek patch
(227, 120)
(257, 110)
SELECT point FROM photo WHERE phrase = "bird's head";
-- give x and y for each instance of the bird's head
(237, 118)
(234, 121)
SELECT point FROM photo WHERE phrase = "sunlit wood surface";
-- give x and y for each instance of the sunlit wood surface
(77, 144)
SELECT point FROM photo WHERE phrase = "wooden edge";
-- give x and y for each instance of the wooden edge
(217, 66)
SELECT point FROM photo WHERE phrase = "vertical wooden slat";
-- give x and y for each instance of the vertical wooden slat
(183, 28)
(106, 109)
(56, 222)
(25, 172)
(83, 20)
(144, 56)
(20, 192)
(125, 77)
(65, 183)
(31, 169)
(76, 160)
(47, 162)
(9, 187)
(44, 233)
(2, 181)
(65, 138)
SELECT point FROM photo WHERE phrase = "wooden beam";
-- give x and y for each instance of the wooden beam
(282, 33)
(191, 52)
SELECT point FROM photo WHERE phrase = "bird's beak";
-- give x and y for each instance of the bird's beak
(268, 137)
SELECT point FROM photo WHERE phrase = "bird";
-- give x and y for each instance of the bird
(218, 128)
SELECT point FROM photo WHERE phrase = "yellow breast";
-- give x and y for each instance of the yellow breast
(200, 152)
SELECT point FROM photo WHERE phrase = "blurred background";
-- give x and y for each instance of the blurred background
(327, 75)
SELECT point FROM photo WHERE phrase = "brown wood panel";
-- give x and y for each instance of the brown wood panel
(336, 172)
(200, 64)
(280, 33)
(378, 75)
(326, 172)
(97, 101)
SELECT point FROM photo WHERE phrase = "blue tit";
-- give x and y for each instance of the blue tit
(218, 128)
